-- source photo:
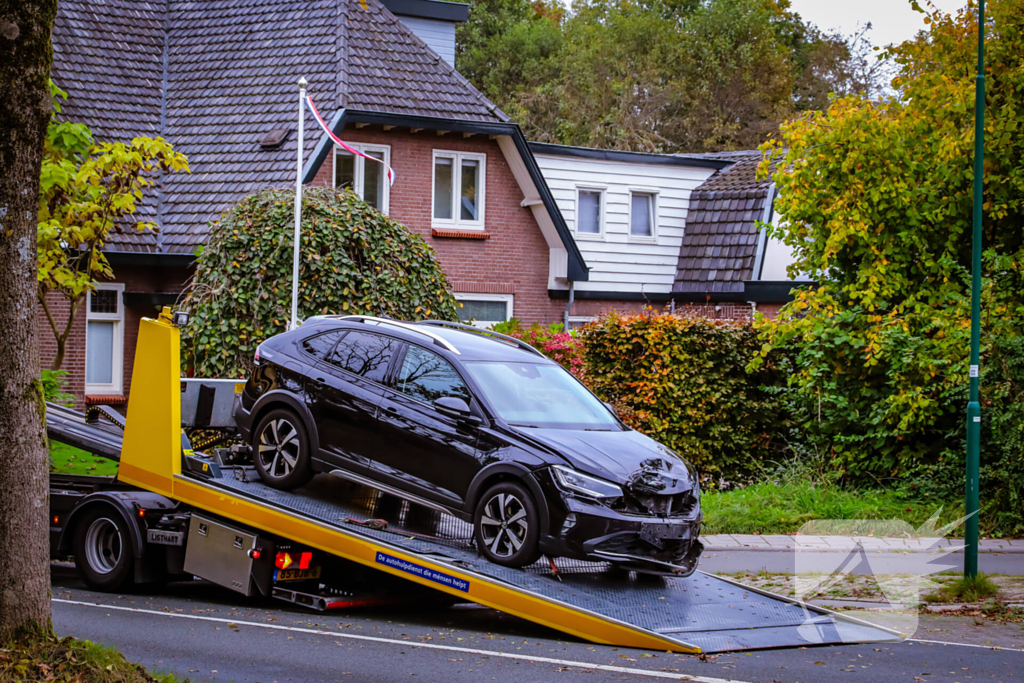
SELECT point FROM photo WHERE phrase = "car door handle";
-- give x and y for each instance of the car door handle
(391, 409)
(319, 382)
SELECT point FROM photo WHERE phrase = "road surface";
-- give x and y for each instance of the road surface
(205, 633)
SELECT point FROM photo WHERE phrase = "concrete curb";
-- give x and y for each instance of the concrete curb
(844, 544)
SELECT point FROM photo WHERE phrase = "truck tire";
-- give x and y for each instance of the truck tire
(280, 450)
(103, 549)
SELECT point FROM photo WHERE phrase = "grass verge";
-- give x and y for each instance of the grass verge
(783, 507)
(67, 459)
(965, 590)
(33, 656)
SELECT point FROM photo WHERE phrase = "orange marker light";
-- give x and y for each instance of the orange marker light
(142, 513)
(56, 519)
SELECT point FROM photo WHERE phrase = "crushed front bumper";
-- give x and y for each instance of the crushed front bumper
(589, 530)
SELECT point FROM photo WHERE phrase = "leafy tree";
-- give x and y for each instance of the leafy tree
(88, 190)
(25, 59)
(655, 75)
(353, 260)
(876, 197)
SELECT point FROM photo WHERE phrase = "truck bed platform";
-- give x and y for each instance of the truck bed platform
(700, 613)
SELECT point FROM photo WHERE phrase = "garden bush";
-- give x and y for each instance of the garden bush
(562, 347)
(353, 259)
(683, 381)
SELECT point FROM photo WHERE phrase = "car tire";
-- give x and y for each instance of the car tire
(506, 525)
(280, 450)
(104, 554)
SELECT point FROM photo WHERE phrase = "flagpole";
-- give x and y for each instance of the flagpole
(297, 239)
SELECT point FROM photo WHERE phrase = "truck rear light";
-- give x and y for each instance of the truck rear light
(283, 560)
(56, 519)
(142, 512)
(305, 559)
(255, 553)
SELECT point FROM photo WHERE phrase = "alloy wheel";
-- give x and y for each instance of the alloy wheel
(504, 525)
(279, 447)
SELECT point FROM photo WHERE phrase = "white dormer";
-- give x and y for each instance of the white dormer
(433, 22)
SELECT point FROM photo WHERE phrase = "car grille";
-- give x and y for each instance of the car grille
(675, 505)
(625, 544)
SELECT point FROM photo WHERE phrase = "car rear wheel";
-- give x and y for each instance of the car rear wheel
(280, 450)
(507, 526)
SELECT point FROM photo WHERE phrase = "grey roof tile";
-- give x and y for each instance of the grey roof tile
(720, 238)
(231, 67)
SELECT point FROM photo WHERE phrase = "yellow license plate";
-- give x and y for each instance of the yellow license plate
(298, 574)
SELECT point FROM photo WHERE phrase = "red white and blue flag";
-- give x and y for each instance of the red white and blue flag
(349, 148)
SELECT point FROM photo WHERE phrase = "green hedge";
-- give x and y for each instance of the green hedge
(683, 381)
(353, 260)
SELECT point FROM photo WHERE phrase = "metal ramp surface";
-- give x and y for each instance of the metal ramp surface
(700, 613)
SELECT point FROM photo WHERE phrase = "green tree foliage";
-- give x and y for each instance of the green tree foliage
(683, 381)
(654, 75)
(353, 260)
(87, 190)
(876, 197)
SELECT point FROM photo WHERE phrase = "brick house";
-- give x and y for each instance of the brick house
(218, 80)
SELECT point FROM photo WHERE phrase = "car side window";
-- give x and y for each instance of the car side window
(365, 354)
(427, 377)
(321, 344)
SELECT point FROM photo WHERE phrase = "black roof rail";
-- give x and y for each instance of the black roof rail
(479, 330)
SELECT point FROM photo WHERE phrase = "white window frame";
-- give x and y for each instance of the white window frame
(580, 320)
(456, 223)
(599, 235)
(116, 386)
(360, 169)
(653, 237)
(508, 299)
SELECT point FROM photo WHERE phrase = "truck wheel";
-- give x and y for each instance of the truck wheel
(280, 450)
(103, 550)
(506, 525)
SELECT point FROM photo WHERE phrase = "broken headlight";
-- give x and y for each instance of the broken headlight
(583, 484)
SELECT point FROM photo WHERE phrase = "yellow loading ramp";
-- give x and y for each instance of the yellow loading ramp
(701, 613)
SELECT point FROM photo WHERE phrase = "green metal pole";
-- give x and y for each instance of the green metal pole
(974, 407)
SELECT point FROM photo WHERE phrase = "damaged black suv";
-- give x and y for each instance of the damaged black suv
(477, 424)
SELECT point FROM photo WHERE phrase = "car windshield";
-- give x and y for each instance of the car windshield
(543, 396)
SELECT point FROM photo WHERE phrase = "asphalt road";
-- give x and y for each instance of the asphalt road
(205, 633)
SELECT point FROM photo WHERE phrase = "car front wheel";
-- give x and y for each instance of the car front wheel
(280, 450)
(507, 526)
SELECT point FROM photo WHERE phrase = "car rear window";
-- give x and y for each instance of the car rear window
(365, 354)
(321, 344)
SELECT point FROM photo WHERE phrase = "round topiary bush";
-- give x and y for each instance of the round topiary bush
(353, 260)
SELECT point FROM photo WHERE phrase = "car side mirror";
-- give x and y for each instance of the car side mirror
(455, 407)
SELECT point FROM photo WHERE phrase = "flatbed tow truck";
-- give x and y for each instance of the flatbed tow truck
(177, 509)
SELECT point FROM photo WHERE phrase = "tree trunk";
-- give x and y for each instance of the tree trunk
(25, 59)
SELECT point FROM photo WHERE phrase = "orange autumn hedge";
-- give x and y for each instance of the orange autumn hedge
(683, 381)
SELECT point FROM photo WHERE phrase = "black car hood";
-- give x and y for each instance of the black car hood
(627, 458)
